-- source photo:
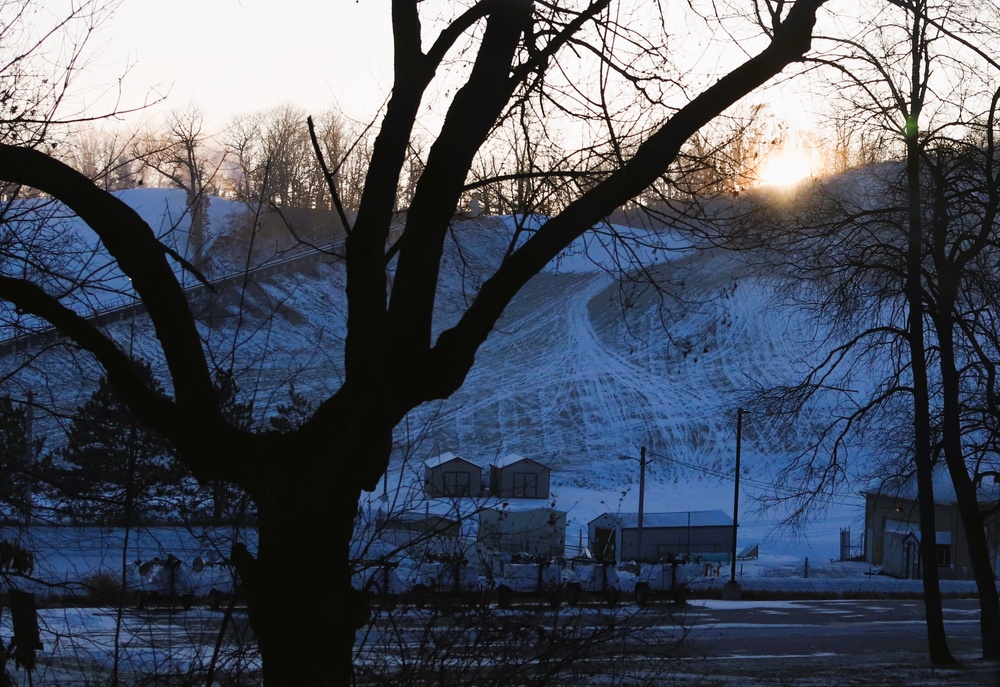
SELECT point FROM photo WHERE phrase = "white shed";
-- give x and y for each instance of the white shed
(451, 475)
(515, 476)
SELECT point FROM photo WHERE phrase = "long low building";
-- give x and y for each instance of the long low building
(523, 527)
(702, 534)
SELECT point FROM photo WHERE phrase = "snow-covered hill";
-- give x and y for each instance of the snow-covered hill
(583, 368)
(582, 371)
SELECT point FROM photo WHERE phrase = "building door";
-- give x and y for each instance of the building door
(525, 485)
(604, 544)
(457, 483)
(911, 561)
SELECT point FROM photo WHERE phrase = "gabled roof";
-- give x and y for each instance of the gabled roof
(447, 457)
(911, 528)
(694, 518)
(905, 487)
(511, 459)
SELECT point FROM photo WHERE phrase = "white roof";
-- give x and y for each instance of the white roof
(694, 518)
(445, 457)
(905, 486)
(900, 527)
(520, 506)
(510, 459)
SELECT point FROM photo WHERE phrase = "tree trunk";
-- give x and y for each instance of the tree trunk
(936, 638)
(196, 200)
(218, 501)
(302, 606)
(965, 492)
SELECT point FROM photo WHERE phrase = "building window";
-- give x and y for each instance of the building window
(944, 554)
(456, 483)
(525, 485)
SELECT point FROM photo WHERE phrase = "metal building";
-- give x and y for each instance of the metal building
(694, 535)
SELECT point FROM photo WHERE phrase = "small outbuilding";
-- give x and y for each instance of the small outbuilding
(451, 475)
(694, 535)
(520, 528)
(901, 549)
(892, 529)
(517, 477)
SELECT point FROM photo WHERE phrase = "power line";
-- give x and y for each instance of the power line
(850, 499)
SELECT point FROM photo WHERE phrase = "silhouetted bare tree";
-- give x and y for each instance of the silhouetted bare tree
(306, 483)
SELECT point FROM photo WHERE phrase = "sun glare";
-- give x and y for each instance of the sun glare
(785, 168)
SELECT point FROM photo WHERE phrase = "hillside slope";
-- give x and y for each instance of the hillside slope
(585, 366)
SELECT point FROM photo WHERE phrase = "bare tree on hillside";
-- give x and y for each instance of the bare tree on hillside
(845, 253)
(344, 148)
(306, 483)
(275, 156)
(347, 147)
(103, 155)
(181, 154)
(941, 241)
(511, 178)
(287, 191)
(962, 219)
(725, 159)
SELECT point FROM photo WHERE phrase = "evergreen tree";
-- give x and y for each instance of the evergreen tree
(116, 468)
(239, 415)
(293, 414)
(15, 459)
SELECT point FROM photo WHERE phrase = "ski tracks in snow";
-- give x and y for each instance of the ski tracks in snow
(550, 386)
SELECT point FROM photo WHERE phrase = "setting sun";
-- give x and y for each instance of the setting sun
(786, 168)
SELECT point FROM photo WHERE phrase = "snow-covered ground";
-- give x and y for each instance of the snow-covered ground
(582, 368)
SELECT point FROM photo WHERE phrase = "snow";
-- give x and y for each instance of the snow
(579, 372)
(608, 246)
(510, 459)
(445, 457)
(70, 260)
(568, 379)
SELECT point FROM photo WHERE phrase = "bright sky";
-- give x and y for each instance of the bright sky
(239, 56)
(234, 56)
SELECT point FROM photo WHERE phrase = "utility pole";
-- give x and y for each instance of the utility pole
(642, 496)
(29, 458)
(732, 591)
